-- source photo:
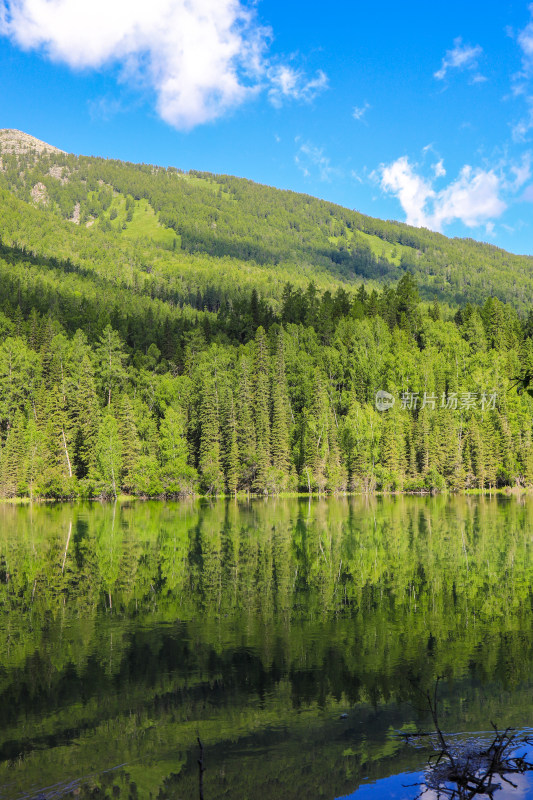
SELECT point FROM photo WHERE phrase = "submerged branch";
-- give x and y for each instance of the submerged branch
(465, 771)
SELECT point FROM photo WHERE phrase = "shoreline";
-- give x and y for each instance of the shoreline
(505, 491)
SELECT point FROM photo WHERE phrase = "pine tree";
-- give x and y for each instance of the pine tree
(34, 452)
(245, 426)
(209, 451)
(13, 458)
(34, 339)
(336, 473)
(527, 457)
(392, 448)
(424, 440)
(262, 411)
(315, 444)
(130, 444)
(280, 417)
(478, 456)
(86, 420)
(232, 467)
(177, 477)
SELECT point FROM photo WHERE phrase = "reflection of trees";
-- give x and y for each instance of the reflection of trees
(221, 609)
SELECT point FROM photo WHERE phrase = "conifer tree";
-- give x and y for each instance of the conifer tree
(527, 457)
(392, 448)
(336, 473)
(34, 452)
(232, 467)
(13, 457)
(280, 417)
(130, 444)
(477, 452)
(315, 445)
(86, 420)
(209, 462)
(245, 425)
(424, 440)
(177, 477)
(262, 411)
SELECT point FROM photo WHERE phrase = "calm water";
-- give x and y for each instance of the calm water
(293, 637)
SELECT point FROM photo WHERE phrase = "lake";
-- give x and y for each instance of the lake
(295, 638)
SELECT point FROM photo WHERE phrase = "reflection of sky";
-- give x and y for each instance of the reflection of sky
(397, 788)
(393, 788)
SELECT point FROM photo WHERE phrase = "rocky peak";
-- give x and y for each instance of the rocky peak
(18, 142)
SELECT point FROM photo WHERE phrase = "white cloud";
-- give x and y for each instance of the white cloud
(200, 57)
(359, 111)
(413, 191)
(528, 194)
(310, 158)
(521, 173)
(288, 83)
(438, 169)
(521, 82)
(461, 56)
(525, 40)
(474, 197)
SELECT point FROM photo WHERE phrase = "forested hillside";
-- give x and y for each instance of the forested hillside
(165, 333)
(220, 216)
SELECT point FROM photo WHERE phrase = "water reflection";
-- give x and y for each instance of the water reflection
(127, 630)
(400, 787)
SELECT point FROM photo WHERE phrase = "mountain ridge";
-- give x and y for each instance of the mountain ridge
(15, 141)
(259, 227)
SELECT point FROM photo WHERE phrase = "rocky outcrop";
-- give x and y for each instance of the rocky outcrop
(18, 143)
(39, 193)
(75, 218)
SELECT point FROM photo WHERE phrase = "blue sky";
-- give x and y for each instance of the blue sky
(411, 111)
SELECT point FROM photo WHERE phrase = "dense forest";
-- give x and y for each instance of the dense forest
(158, 352)
(254, 401)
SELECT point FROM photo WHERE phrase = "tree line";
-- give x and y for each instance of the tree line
(257, 401)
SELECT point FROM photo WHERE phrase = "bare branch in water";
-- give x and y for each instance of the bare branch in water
(465, 771)
(201, 769)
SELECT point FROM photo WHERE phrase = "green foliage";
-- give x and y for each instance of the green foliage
(129, 629)
(177, 477)
(109, 454)
(182, 223)
(220, 325)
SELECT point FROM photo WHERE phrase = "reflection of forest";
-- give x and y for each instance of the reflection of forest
(256, 625)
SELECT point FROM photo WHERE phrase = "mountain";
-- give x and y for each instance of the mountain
(265, 234)
(19, 143)
(166, 333)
